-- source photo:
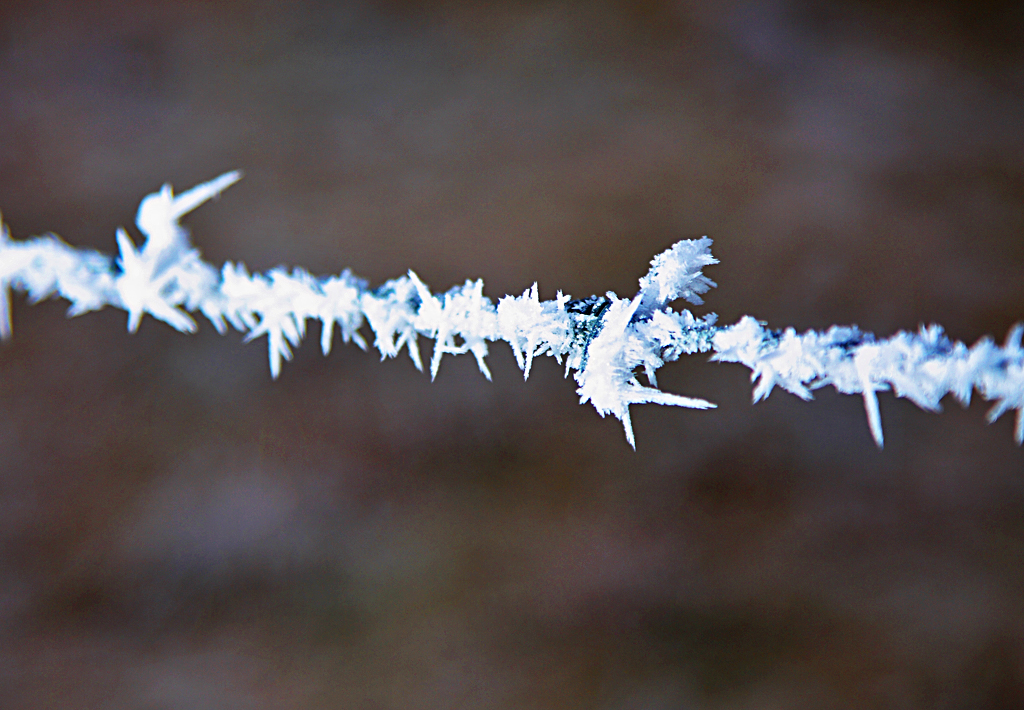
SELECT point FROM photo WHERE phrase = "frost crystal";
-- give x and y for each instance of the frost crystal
(605, 340)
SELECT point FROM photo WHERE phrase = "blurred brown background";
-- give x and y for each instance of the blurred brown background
(178, 531)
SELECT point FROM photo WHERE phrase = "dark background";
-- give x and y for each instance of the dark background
(178, 531)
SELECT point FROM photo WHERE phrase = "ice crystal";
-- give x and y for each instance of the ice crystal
(606, 341)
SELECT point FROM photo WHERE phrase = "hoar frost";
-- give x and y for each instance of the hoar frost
(606, 341)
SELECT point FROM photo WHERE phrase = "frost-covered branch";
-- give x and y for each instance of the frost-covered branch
(604, 340)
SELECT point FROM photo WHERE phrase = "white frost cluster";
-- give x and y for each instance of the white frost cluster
(605, 340)
(922, 367)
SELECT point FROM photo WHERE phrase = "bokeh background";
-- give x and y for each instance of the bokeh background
(178, 531)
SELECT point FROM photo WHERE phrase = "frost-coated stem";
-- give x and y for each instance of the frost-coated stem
(604, 340)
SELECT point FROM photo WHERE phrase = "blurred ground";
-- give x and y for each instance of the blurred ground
(177, 531)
